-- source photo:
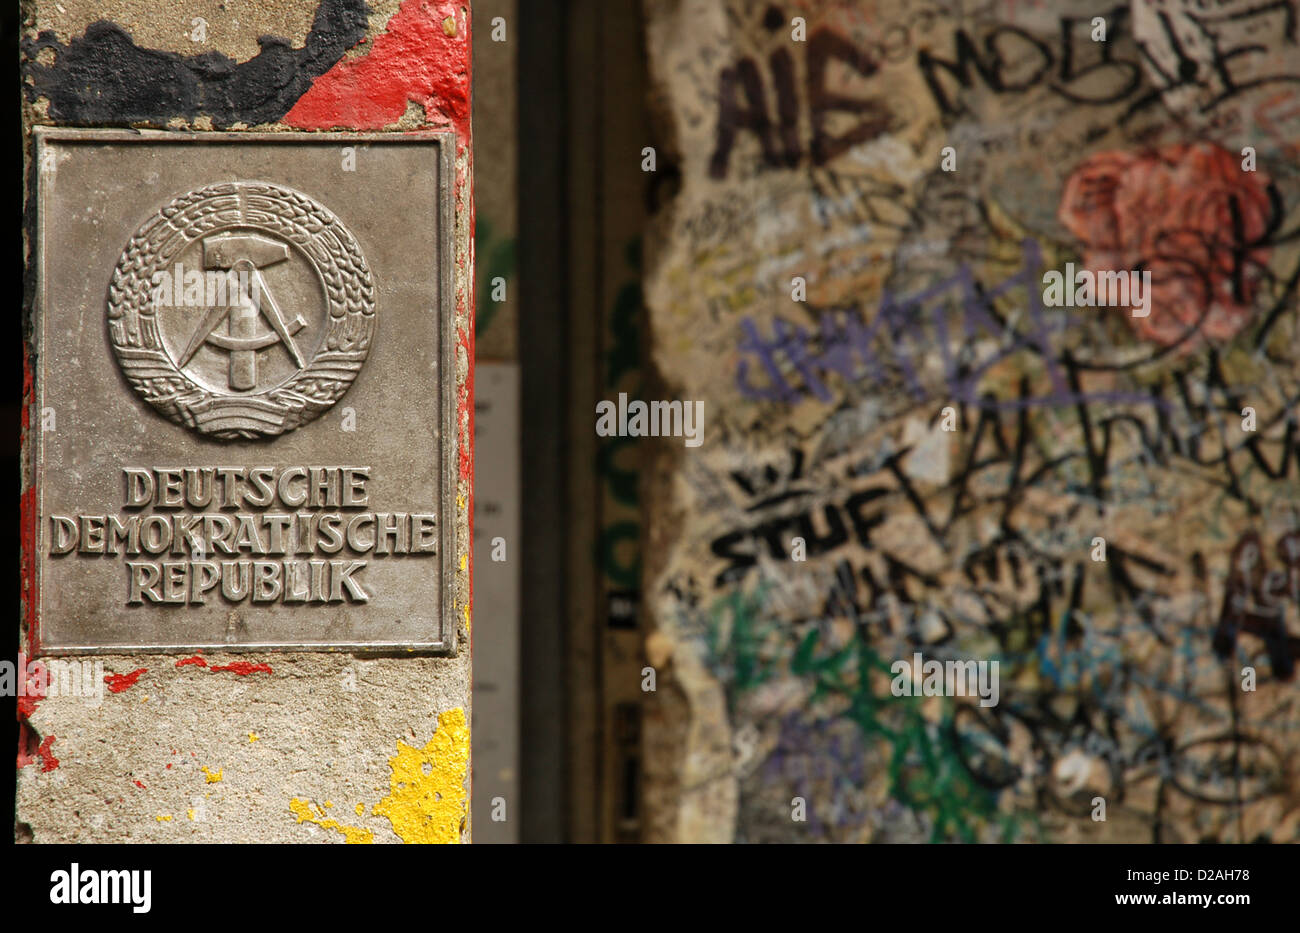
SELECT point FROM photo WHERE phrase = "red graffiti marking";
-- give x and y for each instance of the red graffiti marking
(48, 761)
(27, 573)
(141, 786)
(414, 60)
(1218, 215)
(27, 543)
(117, 683)
(26, 740)
(242, 668)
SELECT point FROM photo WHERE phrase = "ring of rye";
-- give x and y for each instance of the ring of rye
(322, 238)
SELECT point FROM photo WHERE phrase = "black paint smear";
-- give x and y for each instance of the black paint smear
(103, 77)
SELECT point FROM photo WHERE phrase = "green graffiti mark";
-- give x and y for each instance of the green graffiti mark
(622, 574)
(621, 483)
(746, 648)
(621, 529)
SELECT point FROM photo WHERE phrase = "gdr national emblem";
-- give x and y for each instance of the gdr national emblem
(241, 310)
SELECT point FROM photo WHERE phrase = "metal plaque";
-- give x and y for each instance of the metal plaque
(244, 429)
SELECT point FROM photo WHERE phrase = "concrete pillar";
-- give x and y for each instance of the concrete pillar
(294, 746)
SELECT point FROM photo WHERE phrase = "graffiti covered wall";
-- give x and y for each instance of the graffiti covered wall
(912, 446)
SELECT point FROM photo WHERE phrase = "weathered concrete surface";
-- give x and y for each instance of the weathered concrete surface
(814, 148)
(293, 744)
(317, 729)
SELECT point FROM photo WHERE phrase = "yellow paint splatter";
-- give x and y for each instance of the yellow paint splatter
(210, 777)
(361, 809)
(464, 561)
(429, 806)
(253, 737)
(353, 835)
(164, 817)
(190, 813)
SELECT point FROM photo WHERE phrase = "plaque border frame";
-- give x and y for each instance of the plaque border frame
(42, 137)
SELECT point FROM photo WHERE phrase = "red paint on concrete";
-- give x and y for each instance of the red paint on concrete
(26, 739)
(48, 761)
(242, 668)
(27, 586)
(27, 565)
(141, 786)
(413, 60)
(117, 683)
(25, 416)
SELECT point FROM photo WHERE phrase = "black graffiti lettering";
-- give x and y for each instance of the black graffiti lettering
(740, 547)
(1220, 57)
(787, 105)
(743, 105)
(1254, 601)
(836, 535)
(734, 116)
(741, 561)
(863, 524)
(1003, 63)
(1009, 60)
(1073, 79)
(967, 56)
(825, 47)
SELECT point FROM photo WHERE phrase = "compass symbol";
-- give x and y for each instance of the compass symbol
(323, 314)
(244, 256)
